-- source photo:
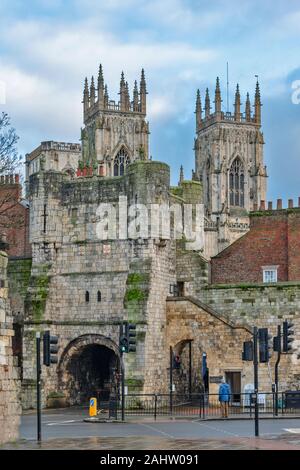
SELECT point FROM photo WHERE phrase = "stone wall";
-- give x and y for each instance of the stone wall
(263, 306)
(10, 409)
(69, 261)
(190, 320)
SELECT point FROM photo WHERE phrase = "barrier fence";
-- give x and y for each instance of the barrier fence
(205, 406)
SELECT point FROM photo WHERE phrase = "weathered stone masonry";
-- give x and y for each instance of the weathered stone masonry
(10, 404)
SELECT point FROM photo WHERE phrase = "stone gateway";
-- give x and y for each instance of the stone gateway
(82, 287)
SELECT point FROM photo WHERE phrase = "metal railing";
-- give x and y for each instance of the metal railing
(205, 406)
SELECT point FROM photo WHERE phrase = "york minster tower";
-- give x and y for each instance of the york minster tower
(229, 162)
(115, 133)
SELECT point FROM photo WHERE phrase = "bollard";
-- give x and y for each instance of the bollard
(93, 407)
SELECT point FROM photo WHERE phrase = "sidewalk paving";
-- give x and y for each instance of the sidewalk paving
(284, 442)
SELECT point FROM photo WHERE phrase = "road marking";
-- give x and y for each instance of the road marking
(59, 423)
(217, 429)
(292, 430)
(157, 430)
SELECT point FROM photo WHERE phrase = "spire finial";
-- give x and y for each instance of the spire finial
(135, 97)
(237, 104)
(122, 93)
(248, 109)
(207, 104)
(86, 96)
(257, 104)
(198, 111)
(181, 175)
(218, 99)
(92, 91)
(100, 87)
(143, 92)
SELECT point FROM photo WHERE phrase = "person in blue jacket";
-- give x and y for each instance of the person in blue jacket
(224, 397)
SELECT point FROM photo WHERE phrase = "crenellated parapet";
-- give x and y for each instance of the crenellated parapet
(219, 115)
(98, 99)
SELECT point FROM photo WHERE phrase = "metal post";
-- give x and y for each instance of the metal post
(38, 387)
(171, 380)
(190, 370)
(155, 406)
(276, 368)
(122, 387)
(255, 365)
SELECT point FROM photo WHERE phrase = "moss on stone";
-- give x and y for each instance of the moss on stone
(19, 271)
(134, 294)
(37, 297)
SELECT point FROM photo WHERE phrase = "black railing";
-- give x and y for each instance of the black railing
(205, 406)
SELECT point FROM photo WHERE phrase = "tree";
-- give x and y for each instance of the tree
(10, 160)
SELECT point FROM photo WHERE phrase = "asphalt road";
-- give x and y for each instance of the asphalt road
(69, 424)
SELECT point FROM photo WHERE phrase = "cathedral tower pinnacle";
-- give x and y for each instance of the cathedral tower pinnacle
(115, 133)
(229, 162)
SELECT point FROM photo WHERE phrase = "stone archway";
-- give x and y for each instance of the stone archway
(89, 366)
(184, 376)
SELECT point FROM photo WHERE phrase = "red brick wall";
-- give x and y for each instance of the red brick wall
(14, 219)
(294, 246)
(273, 239)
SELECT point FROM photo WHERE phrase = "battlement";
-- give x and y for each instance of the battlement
(49, 145)
(95, 100)
(218, 115)
(262, 207)
(9, 179)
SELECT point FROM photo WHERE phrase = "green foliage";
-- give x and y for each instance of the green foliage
(39, 288)
(134, 294)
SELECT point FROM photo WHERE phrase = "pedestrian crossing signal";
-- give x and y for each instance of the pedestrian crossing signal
(50, 349)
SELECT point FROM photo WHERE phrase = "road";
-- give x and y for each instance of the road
(68, 423)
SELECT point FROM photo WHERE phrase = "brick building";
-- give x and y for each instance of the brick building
(14, 217)
(269, 252)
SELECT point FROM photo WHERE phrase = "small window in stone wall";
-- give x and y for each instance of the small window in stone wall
(2, 283)
(74, 212)
(99, 296)
(87, 296)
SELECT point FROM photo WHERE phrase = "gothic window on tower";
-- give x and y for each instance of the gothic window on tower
(236, 183)
(120, 162)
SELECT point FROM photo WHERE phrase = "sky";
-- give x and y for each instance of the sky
(47, 47)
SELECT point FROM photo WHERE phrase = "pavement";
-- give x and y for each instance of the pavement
(65, 429)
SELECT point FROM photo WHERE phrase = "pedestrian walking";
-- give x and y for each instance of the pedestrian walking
(224, 397)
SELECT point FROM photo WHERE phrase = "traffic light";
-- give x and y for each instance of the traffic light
(131, 336)
(287, 336)
(127, 338)
(247, 354)
(50, 349)
(123, 341)
(265, 345)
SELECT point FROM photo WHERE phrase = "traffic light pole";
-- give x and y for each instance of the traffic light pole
(171, 379)
(276, 368)
(38, 386)
(255, 365)
(122, 387)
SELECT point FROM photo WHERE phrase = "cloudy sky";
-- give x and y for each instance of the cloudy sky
(47, 47)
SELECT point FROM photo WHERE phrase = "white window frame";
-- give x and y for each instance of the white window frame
(267, 277)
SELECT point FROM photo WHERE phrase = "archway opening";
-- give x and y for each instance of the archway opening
(93, 371)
